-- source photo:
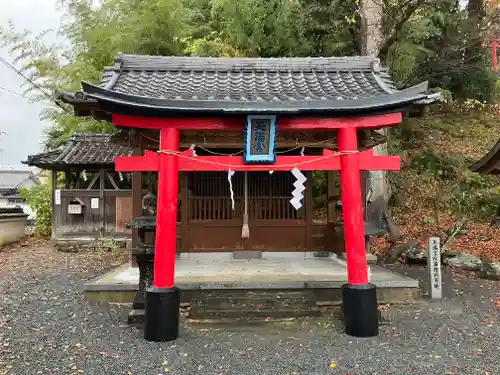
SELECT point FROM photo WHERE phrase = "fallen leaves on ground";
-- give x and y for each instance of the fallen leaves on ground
(16, 259)
(481, 239)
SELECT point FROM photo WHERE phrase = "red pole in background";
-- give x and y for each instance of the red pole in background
(494, 58)
(166, 217)
(352, 208)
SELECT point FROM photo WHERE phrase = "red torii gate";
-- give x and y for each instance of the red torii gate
(173, 94)
(168, 161)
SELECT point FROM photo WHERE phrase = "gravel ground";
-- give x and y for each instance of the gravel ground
(46, 328)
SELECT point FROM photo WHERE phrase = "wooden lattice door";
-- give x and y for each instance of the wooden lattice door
(214, 225)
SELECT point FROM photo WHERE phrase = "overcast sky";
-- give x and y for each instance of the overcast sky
(20, 118)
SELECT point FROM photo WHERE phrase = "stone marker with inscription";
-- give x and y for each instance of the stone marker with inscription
(434, 267)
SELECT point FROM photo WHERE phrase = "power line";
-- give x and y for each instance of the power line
(12, 92)
(34, 84)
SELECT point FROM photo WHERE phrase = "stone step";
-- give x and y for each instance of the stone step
(255, 299)
(235, 293)
(197, 313)
(253, 306)
(254, 295)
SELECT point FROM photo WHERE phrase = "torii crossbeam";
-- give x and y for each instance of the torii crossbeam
(169, 161)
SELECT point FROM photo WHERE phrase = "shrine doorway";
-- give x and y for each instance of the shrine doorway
(214, 226)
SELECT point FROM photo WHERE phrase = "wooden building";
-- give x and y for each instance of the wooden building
(90, 200)
(207, 221)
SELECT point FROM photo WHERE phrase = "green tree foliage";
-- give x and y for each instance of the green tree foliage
(39, 199)
(443, 43)
(424, 40)
(94, 36)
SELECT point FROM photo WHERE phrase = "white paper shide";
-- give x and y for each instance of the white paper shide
(298, 192)
(94, 203)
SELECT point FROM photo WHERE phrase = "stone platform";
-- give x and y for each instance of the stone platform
(215, 275)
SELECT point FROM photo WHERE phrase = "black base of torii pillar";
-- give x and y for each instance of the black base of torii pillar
(360, 310)
(161, 320)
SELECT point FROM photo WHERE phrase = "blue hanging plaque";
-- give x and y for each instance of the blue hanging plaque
(260, 139)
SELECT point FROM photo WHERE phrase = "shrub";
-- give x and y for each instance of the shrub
(40, 201)
(430, 161)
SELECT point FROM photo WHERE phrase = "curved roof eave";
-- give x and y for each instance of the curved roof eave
(398, 98)
(487, 164)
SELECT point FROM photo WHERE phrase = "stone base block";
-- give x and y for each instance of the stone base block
(247, 254)
(136, 318)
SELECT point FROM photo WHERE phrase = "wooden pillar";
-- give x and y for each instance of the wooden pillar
(364, 190)
(67, 179)
(53, 183)
(136, 195)
(185, 243)
(166, 218)
(102, 182)
(330, 198)
(359, 298)
(309, 211)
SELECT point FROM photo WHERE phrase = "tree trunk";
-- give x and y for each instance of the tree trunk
(371, 41)
(371, 27)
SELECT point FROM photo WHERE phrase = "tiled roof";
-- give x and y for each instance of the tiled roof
(11, 212)
(12, 179)
(235, 85)
(83, 149)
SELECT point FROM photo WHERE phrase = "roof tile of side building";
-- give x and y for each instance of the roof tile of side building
(82, 149)
(12, 179)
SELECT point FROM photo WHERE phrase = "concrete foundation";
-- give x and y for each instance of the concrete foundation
(217, 275)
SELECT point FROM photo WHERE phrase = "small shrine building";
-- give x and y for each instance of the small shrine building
(234, 142)
(91, 200)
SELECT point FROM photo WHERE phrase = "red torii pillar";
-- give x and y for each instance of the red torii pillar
(358, 295)
(163, 298)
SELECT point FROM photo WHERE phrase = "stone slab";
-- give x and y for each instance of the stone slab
(370, 258)
(247, 254)
(273, 271)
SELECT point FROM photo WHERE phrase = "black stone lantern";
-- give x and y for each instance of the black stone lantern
(144, 253)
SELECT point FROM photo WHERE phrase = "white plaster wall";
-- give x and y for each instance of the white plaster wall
(11, 229)
(27, 210)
